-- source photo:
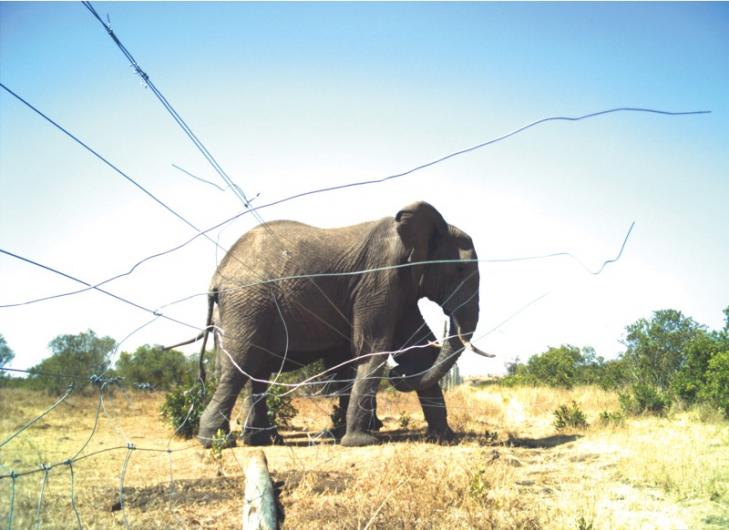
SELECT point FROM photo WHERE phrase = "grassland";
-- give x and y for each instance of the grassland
(510, 468)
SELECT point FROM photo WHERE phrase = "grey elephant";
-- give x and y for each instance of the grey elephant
(288, 294)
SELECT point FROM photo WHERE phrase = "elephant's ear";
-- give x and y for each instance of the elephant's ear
(417, 226)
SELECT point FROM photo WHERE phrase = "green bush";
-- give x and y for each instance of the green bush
(644, 398)
(6, 354)
(404, 420)
(155, 366)
(306, 372)
(608, 418)
(479, 484)
(280, 405)
(74, 358)
(556, 366)
(716, 389)
(570, 416)
(183, 407)
(658, 349)
(566, 367)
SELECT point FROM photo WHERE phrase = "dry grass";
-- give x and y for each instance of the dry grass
(510, 468)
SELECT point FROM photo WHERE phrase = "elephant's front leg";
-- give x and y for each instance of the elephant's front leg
(434, 409)
(361, 409)
(339, 415)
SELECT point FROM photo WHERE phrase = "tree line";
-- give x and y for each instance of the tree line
(78, 358)
(669, 358)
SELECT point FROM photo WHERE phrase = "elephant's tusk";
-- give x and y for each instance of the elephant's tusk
(474, 349)
(469, 345)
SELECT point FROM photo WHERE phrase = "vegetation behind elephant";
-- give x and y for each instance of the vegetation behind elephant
(288, 294)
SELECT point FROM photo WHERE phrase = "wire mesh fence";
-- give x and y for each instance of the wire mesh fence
(82, 459)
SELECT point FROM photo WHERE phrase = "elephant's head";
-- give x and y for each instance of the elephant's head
(452, 284)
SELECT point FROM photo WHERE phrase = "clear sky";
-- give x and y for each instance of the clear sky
(291, 97)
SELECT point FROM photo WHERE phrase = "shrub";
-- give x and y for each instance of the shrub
(183, 407)
(716, 389)
(569, 417)
(74, 358)
(220, 442)
(556, 366)
(281, 408)
(155, 366)
(608, 418)
(658, 348)
(644, 398)
(310, 371)
(6, 355)
(566, 367)
(404, 420)
(479, 485)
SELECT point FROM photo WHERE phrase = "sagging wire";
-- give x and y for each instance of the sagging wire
(280, 279)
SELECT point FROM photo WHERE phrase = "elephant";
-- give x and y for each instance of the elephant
(287, 294)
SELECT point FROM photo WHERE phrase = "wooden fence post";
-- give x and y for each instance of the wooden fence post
(259, 503)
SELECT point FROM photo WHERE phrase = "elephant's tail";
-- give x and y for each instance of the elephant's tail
(212, 298)
(185, 343)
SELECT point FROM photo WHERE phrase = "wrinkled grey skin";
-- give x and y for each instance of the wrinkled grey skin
(357, 317)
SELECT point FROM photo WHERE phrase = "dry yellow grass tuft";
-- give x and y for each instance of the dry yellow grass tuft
(510, 469)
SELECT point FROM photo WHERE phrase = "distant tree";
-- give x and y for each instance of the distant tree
(613, 374)
(155, 366)
(723, 335)
(658, 348)
(567, 366)
(556, 366)
(512, 366)
(6, 354)
(690, 378)
(74, 358)
(716, 389)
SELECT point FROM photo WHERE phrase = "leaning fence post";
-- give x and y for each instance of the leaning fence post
(259, 504)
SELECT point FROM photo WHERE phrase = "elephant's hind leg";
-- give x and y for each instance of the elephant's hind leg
(217, 413)
(233, 373)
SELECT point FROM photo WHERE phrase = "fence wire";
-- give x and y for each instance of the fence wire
(327, 378)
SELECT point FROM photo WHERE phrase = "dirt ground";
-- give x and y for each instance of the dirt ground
(510, 468)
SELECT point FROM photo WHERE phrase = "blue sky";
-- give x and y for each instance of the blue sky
(290, 97)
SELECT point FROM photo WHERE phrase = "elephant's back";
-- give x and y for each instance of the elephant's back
(282, 248)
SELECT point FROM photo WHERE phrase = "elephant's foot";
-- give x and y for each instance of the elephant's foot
(262, 437)
(440, 435)
(207, 431)
(339, 424)
(358, 439)
(205, 441)
(223, 443)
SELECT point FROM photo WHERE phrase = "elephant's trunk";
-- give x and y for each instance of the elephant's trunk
(451, 349)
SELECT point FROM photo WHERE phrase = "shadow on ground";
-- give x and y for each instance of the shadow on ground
(487, 438)
(546, 442)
